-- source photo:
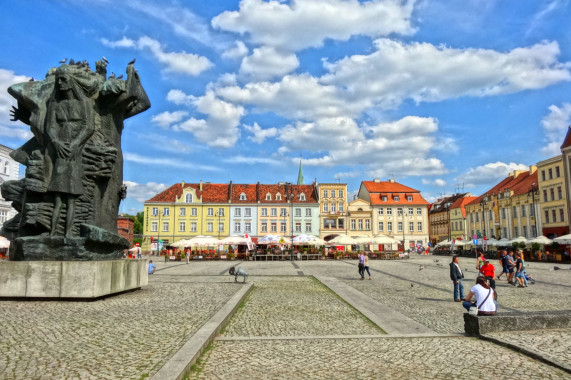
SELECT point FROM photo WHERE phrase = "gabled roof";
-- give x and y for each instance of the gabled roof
(567, 140)
(443, 205)
(387, 187)
(417, 199)
(461, 202)
(211, 192)
(519, 184)
(249, 190)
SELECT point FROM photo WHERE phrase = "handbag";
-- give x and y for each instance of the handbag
(474, 309)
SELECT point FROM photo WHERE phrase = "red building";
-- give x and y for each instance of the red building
(125, 228)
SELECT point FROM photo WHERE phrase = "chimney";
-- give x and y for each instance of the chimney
(377, 180)
(532, 169)
(182, 184)
(200, 185)
(230, 193)
(392, 180)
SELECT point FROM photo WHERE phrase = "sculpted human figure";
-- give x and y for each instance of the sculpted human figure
(69, 124)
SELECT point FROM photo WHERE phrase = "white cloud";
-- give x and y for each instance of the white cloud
(15, 130)
(489, 174)
(267, 63)
(166, 119)
(427, 73)
(165, 162)
(239, 159)
(307, 23)
(341, 132)
(555, 126)
(220, 128)
(259, 134)
(436, 182)
(178, 62)
(238, 51)
(144, 191)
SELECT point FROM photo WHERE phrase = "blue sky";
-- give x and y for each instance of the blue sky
(439, 95)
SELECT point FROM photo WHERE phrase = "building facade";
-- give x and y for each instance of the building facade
(439, 217)
(125, 228)
(359, 218)
(333, 209)
(458, 226)
(398, 211)
(9, 171)
(552, 197)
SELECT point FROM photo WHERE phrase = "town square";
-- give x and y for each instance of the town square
(285, 189)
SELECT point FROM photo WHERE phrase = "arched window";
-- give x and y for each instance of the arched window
(6, 167)
(189, 198)
(278, 197)
(302, 197)
(243, 197)
(268, 197)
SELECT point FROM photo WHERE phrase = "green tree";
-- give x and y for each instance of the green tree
(138, 225)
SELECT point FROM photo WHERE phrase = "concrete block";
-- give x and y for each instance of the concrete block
(117, 276)
(43, 279)
(512, 321)
(86, 279)
(130, 271)
(11, 275)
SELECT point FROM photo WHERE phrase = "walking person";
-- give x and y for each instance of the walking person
(511, 268)
(520, 271)
(367, 266)
(362, 265)
(489, 272)
(139, 254)
(456, 276)
(504, 263)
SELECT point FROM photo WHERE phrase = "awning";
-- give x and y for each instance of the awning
(552, 232)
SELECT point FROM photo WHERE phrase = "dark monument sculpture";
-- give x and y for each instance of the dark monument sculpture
(69, 199)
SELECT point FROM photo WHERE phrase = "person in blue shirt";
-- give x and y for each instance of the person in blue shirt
(152, 267)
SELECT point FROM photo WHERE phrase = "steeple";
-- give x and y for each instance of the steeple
(300, 175)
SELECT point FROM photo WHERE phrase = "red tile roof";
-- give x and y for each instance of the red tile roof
(387, 187)
(248, 190)
(461, 202)
(567, 140)
(520, 184)
(390, 189)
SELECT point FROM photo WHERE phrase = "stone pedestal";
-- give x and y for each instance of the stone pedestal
(81, 280)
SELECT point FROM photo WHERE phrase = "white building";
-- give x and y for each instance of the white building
(9, 170)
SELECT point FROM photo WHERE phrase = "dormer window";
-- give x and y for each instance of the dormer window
(243, 197)
(188, 198)
(397, 198)
(409, 198)
(268, 197)
(278, 197)
(302, 197)
(384, 198)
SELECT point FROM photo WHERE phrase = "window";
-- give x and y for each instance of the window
(543, 175)
(505, 232)
(6, 167)
(384, 198)
(503, 214)
(399, 211)
(546, 216)
(237, 212)
(559, 193)
(516, 230)
(248, 212)
(381, 211)
(298, 227)
(557, 173)
(332, 193)
(341, 223)
(550, 173)
(360, 224)
(268, 197)
(274, 227)
(283, 212)
(192, 226)
(220, 212)
(188, 198)
(154, 227)
(389, 211)
(308, 212)
(397, 198)
(307, 227)
(419, 211)
(410, 211)
(302, 197)
(278, 197)
(410, 226)
(531, 211)
(243, 197)
(477, 217)
(264, 226)
(400, 227)
(340, 193)
(298, 213)
(409, 198)
(353, 224)
(523, 210)
(561, 215)
(209, 227)
(524, 231)
(220, 226)
(247, 227)
(182, 211)
(264, 211)
(237, 227)
(552, 193)
(282, 227)
(340, 206)
(325, 207)
(545, 195)
(553, 216)
(274, 211)
(181, 226)
(333, 206)
(210, 211)
(471, 218)
(381, 227)
(533, 231)
(155, 211)
(166, 211)
(419, 226)
(367, 224)
(390, 226)
(514, 210)
(193, 211)
(325, 194)
(491, 216)
(165, 226)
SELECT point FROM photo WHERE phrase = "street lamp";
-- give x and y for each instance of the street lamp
(533, 190)
(483, 204)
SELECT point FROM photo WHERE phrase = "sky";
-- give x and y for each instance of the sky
(443, 96)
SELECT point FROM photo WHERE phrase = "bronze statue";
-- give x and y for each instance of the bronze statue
(69, 199)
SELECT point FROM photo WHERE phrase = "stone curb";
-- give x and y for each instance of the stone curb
(188, 354)
(531, 354)
(333, 337)
(391, 321)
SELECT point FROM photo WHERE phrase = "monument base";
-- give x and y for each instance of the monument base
(73, 280)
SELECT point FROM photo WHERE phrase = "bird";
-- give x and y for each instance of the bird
(556, 268)
(132, 62)
(421, 267)
(120, 76)
(31, 79)
(105, 59)
(112, 76)
(71, 62)
(63, 60)
(439, 265)
(411, 285)
(436, 261)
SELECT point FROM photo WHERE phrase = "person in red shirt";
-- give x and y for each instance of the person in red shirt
(489, 272)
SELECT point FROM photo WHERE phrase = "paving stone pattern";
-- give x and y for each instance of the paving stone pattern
(296, 306)
(120, 337)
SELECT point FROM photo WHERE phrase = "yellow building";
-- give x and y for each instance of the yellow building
(333, 209)
(359, 219)
(458, 226)
(440, 217)
(552, 197)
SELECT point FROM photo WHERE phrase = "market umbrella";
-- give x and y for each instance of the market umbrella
(540, 240)
(342, 240)
(203, 241)
(384, 239)
(520, 239)
(273, 239)
(4, 243)
(461, 243)
(492, 242)
(503, 242)
(233, 240)
(565, 239)
(304, 239)
(182, 243)
(443, 243)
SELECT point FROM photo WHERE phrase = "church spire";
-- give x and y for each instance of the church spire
(300, 175)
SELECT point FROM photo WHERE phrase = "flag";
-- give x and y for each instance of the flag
(249, 241)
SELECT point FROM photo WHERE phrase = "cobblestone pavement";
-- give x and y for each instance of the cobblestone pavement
(368, 358)
(125, 336)
(293, 306)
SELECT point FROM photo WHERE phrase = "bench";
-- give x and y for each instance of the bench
(517, 321)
